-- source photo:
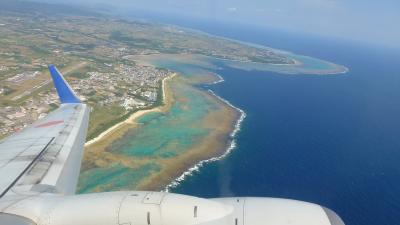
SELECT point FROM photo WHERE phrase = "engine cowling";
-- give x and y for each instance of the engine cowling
(275, 211)
(158, 208)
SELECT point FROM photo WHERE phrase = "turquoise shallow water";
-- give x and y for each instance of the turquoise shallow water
(165, 135)
(331, 140)
(202, 64)
(168, 134)
(158, 136)
(110, 178)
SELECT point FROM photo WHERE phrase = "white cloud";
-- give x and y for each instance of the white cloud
(232, 9)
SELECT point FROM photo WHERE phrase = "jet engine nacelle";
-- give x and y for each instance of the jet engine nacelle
(275, 211)
(158, 208)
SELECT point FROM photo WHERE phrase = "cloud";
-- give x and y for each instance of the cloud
(232, 9)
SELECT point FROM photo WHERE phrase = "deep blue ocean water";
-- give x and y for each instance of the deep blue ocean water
(332, 140)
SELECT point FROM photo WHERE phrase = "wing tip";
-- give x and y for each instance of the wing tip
(64, 91)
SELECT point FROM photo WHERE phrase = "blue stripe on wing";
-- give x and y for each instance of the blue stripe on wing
(65, 93)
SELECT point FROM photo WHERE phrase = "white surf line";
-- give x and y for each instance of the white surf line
(220, 80)
(232, 145)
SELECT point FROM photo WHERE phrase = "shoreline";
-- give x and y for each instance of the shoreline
(216, 145)
(295, 68)
(133, 117)
(231, 145)
(220, 79)
(171, 174)
(170, 178)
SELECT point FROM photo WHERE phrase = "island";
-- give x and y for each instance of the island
(151, 120)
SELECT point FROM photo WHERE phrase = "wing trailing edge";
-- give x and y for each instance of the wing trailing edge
(64, 91)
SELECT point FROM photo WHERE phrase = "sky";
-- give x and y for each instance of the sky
(372, 21)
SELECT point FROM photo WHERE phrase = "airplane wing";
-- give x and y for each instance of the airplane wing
(46, 156)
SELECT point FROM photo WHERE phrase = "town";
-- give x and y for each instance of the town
(92, 53)
(131, 87)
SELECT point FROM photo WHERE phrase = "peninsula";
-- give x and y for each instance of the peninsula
(152, 119)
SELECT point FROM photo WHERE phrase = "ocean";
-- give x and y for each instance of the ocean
(332, 140)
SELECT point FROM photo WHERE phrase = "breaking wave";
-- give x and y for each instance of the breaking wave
(231, 146)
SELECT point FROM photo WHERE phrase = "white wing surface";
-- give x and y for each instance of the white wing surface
(46, 156)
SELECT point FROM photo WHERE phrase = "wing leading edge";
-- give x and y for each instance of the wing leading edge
(46, 156)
